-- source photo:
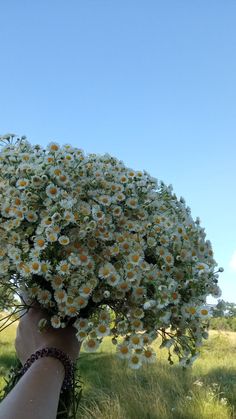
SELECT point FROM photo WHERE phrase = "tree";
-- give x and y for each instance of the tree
(224, 309)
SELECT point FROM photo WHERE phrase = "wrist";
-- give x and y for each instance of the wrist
(53, 354)
(50, 365)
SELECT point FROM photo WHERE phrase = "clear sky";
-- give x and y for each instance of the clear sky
(151, 82)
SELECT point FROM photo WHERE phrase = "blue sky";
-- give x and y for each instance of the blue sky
(151, 82)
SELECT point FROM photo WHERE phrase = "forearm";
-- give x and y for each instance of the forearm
(37, 393)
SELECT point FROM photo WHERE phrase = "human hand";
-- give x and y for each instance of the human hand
(30, 339)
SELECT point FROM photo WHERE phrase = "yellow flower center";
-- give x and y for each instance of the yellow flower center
(91, 343)
(148, 354)
(102, 328)
(204, 312)
(54, 147)
(86, 290)
(57, 172)
(40, 242)
(53, 191)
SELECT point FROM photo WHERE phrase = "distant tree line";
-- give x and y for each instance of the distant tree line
(224, 309)
(224, 316)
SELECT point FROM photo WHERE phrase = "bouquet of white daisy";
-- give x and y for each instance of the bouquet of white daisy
(107, 248)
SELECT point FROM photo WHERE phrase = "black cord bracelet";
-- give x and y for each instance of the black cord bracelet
(54, 353)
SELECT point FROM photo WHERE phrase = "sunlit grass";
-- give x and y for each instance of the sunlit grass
(7, 351)
(158, 391)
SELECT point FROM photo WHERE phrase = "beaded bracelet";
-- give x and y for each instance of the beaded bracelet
(54, 353)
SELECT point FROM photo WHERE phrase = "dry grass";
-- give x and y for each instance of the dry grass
(159, 391)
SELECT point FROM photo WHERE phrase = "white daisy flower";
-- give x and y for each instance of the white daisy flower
(146, 339)
(84, 259)
(102, 330)
(123, 179)
(136, 341)
(51, 235)
(63, 268)
(60, 295)
(168, 258)
(34, 253)
(135, 258)
(105, 200)
(132, 202)
(33, 291)
(71, 310)
(74, 260)
(57, 282)
(202, 268)
(113, 279)
(46, 222)
(80, 302)
(204, 312)
(148, 356)
(22, 183)
(44, 296)
(117, 211)
(123, 351)
(55, 321)
(31, 216)
(63, 179)
(81, 335)
(64, 240)
(15, 255)
(81, 324)
(137, 325)
(24, 269)
(106, 270)
(85, 290)
(52, 191)
(35, 266)
(56, 171)
(68, 216)
(104, 316)
(91, 344)
(97, 213)
(135, 361)
(45, 267)
(119, 197)
(40, 242)
(53, 147)
(131, 174)
(189, 309)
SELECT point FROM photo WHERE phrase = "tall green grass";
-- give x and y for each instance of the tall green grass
(157, 391)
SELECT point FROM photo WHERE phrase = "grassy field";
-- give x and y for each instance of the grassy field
(158, 391)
